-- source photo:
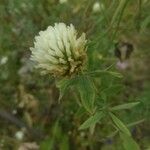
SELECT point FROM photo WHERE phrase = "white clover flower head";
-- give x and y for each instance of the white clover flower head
(97, 7)
(58, 51)
(63, 1)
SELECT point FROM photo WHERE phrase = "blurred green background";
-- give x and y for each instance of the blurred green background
(29, 99)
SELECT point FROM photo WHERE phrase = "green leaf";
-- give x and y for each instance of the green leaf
(115, 74)
(128, 142)
(120, 125)
(47, 144)
(64, 145)
(145, 23)
(124, 106)
(92, 120)
(63, 86)
(87, 93)
(99, 72)
(81, 111)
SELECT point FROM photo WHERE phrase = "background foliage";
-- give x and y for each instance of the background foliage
(29, 102)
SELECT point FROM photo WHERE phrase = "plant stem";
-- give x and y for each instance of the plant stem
(118, 15)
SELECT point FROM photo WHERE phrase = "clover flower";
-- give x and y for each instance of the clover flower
(58, 51)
